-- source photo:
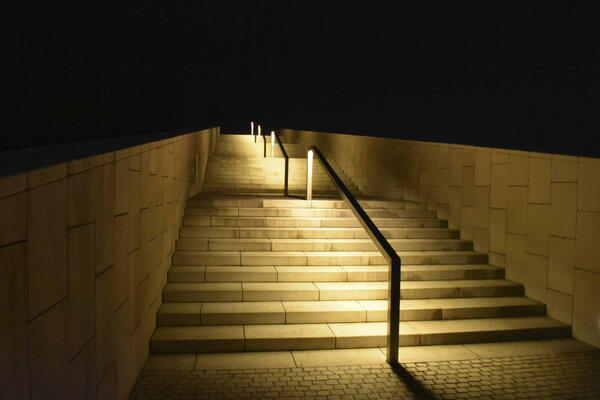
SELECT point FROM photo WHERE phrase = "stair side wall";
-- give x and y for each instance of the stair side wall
(537, 215)
(85, 247)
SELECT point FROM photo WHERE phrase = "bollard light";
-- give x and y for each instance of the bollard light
(309, 166)
(251, 127)
(272, 144)
(258, 130)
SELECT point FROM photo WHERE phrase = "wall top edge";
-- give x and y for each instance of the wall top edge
(13, 162)
(496, 150)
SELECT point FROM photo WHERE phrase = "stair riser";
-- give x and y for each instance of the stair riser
(331, 342)
(303, 212)
(323, 294)
(280, 275)
(313, 233)
(202, 244)
(237, 258)
(339, 316)
(310, 222)
(257, 203)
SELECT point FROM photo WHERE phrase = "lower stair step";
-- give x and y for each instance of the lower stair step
(257, 258)
(350, 335)
(306, 312)
(330, 273)
(302, 291)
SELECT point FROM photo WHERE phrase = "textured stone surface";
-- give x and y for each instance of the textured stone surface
(13, 214)
(14, 340)
(499, 186)
(587, 250)
(538, 229)
(539, 180)
(518, 170)
(531, 375)
(49, 362)
(103, 207)
(561, 263)
(80, 198)
(516, 221)
(105, 322)
(82, 373)
(80, 271)
(559, 306)
(563, 209)
(45, 175)
(47, 245)
(588, 194)
(12, 184)
(586, 307)
(498, 231)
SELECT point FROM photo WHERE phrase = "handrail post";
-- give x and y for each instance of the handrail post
(309, 169)
(392, 257)
(393, 310)
(285, 182)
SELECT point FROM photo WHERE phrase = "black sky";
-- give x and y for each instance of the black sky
(507, 74)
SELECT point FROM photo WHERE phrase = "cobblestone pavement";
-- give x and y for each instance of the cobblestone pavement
(548, 376)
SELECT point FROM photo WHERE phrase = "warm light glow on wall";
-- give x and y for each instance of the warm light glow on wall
(309, 167)
(252, 127)
(272, 144)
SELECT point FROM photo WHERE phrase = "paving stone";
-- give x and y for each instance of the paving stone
(321, 375)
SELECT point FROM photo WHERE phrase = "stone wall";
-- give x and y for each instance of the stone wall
(536, 215)
(84, 251)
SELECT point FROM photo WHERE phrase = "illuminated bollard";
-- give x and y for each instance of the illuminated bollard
(259, 130)
(309, 166)
(272, 144)
(251, 128)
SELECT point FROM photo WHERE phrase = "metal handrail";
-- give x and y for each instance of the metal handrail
(287, 165)
(287, 161)
(388, 252)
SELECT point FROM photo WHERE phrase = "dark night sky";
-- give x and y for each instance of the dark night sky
(509, 74)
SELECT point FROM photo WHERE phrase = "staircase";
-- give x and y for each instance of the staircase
(256, 271)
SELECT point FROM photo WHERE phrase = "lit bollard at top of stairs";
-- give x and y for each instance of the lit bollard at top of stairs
(272, 144)
(309, 169)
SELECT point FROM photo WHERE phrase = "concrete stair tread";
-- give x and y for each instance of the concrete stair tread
(254, 270)
(351, 335)
(411, 304)
(323, 311)
(455, 283)
(308, 232)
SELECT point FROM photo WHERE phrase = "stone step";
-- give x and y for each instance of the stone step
(325, 273)
(313, 233)
(309, 312)
(304, 212)
(192, 339)
(202, 244)
(241, 201)
(297, 291)
(281, 258)
(313, 222)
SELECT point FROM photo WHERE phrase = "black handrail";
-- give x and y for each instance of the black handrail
(287, 161)
(383, 246)
(287, 165)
